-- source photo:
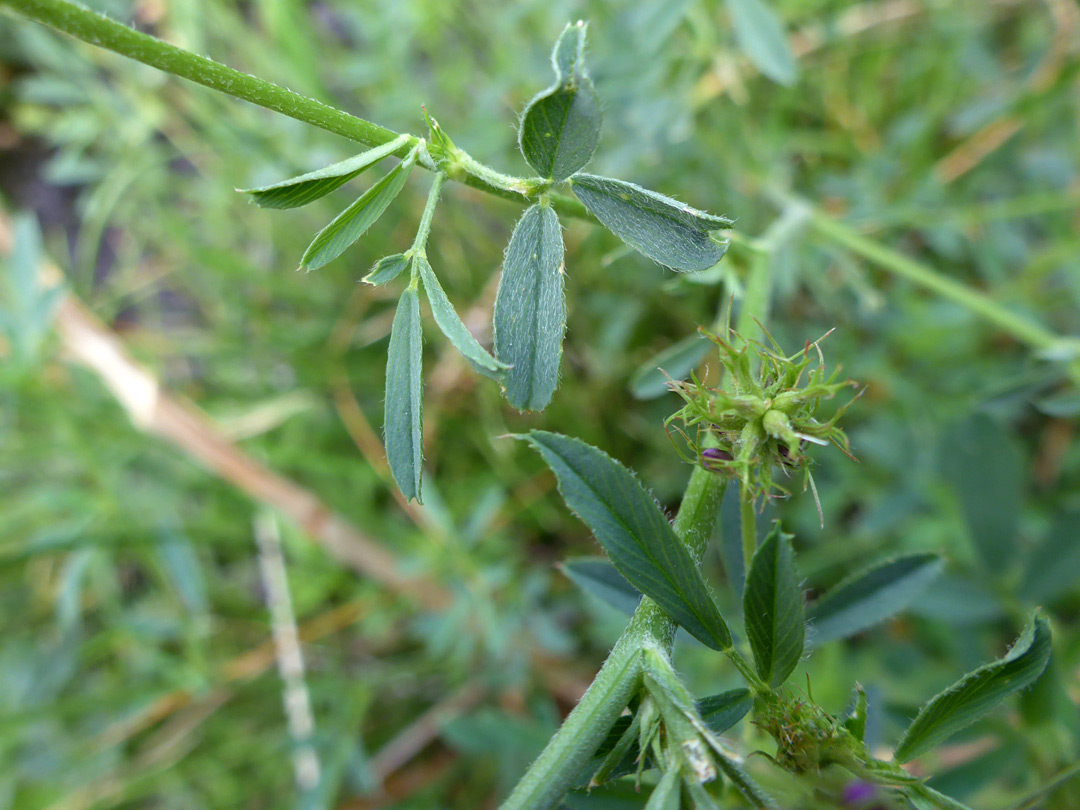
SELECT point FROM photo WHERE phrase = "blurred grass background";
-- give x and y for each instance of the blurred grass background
(130, 588)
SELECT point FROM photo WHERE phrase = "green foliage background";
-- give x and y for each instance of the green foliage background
(127, 572)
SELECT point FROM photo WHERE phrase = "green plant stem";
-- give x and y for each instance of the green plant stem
(97, 29)
(981, 304)
(560, 763)
(748, 522)
(423, 230)
(1032, 799)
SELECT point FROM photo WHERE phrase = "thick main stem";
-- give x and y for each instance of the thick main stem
(560, 763)
(99, 30)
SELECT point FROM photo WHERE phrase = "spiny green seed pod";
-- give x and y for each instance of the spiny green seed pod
(763, 416)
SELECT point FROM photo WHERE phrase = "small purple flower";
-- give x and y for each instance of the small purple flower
(858, 794)
(711, 455)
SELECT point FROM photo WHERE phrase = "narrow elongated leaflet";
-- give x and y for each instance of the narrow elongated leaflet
(350, 224)
(388, 268)
(733, 770)
(721, 712)
(403, 413)
(666, 794)
(871, 596)
(924, 797)
(560, 127)
(452, 326)
(530, 310)
(634, 532)
(977, 692)
(665, 230)
(306, 188)
(761, 37)
(773, 608)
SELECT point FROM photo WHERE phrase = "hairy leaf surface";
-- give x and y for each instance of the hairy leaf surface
(560, 128)
(665, 230)
(530, 310)
(773, 608)
(403, 412)
(452, 326)
(978, 692)
(634, 532)
(306, 188)
(350, 224)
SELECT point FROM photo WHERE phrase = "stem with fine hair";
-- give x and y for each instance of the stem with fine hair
(99, 30)
(748, 521)
(560, 763)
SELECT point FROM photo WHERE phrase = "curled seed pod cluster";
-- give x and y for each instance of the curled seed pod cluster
(764, 414)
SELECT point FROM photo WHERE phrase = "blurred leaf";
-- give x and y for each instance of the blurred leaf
(388, 268)
(871, 596)
(403, 422)
(181, 566)
(721, 712)
(1054, 565)
(634, 532)
(598, 577)
(961, 601)
(451, 325)
(350, 224)
(309, 187)
(26, 316)
(1061, 406)
(986, 467)
(665, 230)
(675, 362)
(560, 128)
(978, 692)
(762, 38)
(773, 609)
(530, 311)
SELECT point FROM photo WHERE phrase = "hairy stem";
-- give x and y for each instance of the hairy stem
(748, 521)
(560, 763)
(99, 30)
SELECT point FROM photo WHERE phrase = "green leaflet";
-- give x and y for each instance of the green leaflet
(388, 268)
(675, 362)
(668, 792)
(978, 692)
(733, 770)
(924, 797)
(986, 466)
(761, 37)
(404, 405)
(350, 224)
(530, 312)
(721, 712)
(560, 128)
(297, 191)
(871, 596)
(634, 532)
(773, 608)
(665, 230)
(452, 326)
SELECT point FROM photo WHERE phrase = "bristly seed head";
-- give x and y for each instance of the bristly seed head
(763, 416)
